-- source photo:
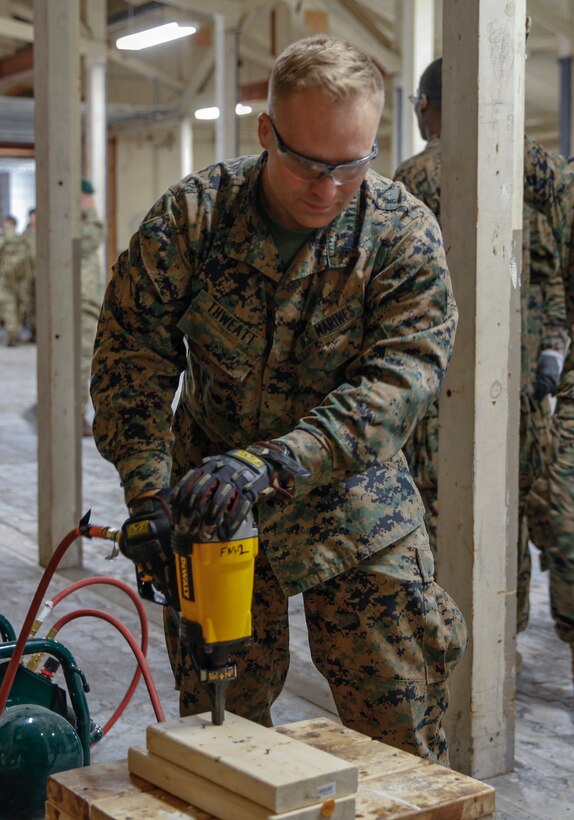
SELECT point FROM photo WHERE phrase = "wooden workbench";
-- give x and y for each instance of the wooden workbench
(392, 784)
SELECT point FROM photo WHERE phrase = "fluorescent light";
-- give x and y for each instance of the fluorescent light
(213, 112)
(207, 113)
(154, 36)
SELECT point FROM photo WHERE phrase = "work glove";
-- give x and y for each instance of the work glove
(217, 496)
(548, 373)
(145, 540)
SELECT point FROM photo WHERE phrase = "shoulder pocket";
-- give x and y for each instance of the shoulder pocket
(216, 337)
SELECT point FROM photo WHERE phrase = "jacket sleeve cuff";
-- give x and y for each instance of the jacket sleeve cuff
(311, 453)
(140, 476)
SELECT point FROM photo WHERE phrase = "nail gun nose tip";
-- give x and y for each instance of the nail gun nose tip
(218, 710)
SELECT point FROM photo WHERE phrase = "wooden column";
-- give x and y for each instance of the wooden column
(481, 211)
(95, 163)
(57, 113)
(226, 131)
(417, 27)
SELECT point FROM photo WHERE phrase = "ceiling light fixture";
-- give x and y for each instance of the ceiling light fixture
(213, 112)
(154, 36)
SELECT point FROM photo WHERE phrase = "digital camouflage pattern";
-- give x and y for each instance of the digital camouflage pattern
(30, 289)
(549, 187)
(91, 236)
(421, 177)
(336, 356)
(15, 271)
(365, 624)
(543, 325)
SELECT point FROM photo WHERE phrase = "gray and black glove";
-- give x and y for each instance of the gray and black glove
(548, 373)
(218, 495)
(145, 540)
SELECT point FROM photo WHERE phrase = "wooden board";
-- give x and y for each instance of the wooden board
(368, 755)
(74, 791)
(221, 802)
(279, 772)
(54, 813)
(147, 806)
(394, 783)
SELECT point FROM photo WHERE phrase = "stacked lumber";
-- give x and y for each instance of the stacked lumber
(243, 771)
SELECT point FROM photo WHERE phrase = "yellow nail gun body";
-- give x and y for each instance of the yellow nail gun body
(215, 586)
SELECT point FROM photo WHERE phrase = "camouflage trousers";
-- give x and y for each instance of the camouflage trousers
(535, 448)
(550, 514)
(11, 307)
(383, 634)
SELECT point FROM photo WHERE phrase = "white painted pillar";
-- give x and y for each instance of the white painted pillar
(96, 148)
(226, 131)
(417, 52)
(186, 145)
(57, 123)
(481, 214)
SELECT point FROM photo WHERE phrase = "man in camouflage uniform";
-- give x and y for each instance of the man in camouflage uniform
(92, 233)
(549, 187)
(15, 267)
(308, 302)
(30, 295)
(545, 341)
(544, 332)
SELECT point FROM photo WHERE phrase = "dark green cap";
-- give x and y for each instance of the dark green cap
(87, 187)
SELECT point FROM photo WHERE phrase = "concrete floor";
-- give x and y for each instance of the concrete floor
(541, 787)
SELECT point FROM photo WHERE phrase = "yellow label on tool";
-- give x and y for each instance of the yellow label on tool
(138, 528)
(250, 457)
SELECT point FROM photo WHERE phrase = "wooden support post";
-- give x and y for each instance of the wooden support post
(226, 88)
(96, 160)
(417, 26)
(57, 112)
(481, 212)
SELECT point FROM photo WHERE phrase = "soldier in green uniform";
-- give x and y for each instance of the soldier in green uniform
(549, 187)
(307, 301)
(15, 271)
(544, 333)
(30, 290)
(92, 233)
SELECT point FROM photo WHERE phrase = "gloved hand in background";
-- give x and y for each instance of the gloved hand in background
(145, 540)
(218, 495)
(548, 372)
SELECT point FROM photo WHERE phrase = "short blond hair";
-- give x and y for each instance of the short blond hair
(327, 63)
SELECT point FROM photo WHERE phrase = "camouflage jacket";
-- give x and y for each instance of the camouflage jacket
(336, 356)
(545, 272)
(421, 175)
(15, 258)
(549, 188)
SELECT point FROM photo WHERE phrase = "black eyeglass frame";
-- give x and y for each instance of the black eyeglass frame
(324, 168)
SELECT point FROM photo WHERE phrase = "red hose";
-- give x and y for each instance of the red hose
(144, 632)
(32, 612)
(143, 665)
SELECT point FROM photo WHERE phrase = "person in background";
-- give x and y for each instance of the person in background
(30, 291)
(308, 303)
(15, 273)
(92, 234)
(549, 188)
(544, 338)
